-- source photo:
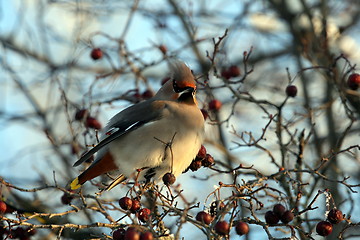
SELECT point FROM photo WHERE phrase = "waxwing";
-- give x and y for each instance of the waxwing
(148, 139)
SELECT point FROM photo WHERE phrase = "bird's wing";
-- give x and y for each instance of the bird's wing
(126, 121)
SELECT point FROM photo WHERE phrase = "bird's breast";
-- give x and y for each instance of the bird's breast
(166, 145)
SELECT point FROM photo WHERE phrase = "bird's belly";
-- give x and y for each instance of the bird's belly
(166, 150)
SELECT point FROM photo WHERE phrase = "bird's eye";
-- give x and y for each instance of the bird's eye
(176, 88)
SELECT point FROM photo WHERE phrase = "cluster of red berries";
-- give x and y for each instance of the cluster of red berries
(230, 72)
(222, 227)
(89, 121)
(202, 159)
(19, 233)
(132, 233)
(353, 81)
(324, 228)
(134, 206)
(143, 214)
(279, 213)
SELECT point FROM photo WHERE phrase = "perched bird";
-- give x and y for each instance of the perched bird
(162, 134)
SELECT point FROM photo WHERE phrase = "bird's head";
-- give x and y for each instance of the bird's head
(181, 86)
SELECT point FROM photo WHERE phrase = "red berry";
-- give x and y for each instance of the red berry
(119, 234)
(147, 94)
(204, 113)
(335, 216)
(66, 198)
(202, 152)
(146, 236)
(324, 228)
(144, 214)
(226, 74)
(242, 228)
(3, 207)
(169, 179)
(279, 210)
(204, 217)
(132, 234)
(96, 54)
(354, 81)
(163, 49)
(92, 123)
(195, 165)
(135, 206)
(291, 90)
(287, 217)
(234, 71)
(125, 203)
(81, 114)
(271, 218)
(222, 228)
(215, 105)
(207, 161)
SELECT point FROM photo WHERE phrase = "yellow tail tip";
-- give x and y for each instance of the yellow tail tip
(75, 184)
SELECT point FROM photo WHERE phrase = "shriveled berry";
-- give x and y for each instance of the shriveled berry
(271, 218)
(3, 207)
(222, 228)
(81, 114)
(136, 205)
(287, 216)
(204, 217)
(202, 152)
(96, 53)
(291, 90)
(215, 105)
(144, 214)
(324, 228)
(119, 234)
(169, 179)
(146, 236)
(195, 165)
(335, 216)
(279, 210)
(242, 228)
(92, 122)
(207, 161)
(125, 203)
(354, 81)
